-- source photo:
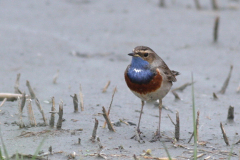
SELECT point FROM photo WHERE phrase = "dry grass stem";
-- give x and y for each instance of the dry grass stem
(200, 155)
(215, 97)
(114, 91)
(162, 3)
(197, 4)
(197, 126)
(225, 84)
(60, 113)
(190, 138)
(215, 29)
(106, 87)
(4, 100)
(81, 98)
(238, 141)
(166, 108)
(184, 86)
(99, 145)
(75, 103)
(41, 111)
(216, 152)
(94, 133)
(100, 149)
(28, 156)
(30, 90)
(197, 122)
(50, 150)
(230, 113)
(214, 5)
(105, 115)
(19, 103)
(55, 77)
(238, 89)
(177, 127)
(181, 88)
(224, 134)
(123, 121)
(176, 95)
(52, 119)
(23, 100)
(161, 158)
(135, 157)
(9, 96)
(20, 121)
(16, 86)
(207, 157)
(31, 117)
(171, 120)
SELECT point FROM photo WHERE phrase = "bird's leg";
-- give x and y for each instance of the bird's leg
(157, 135)
(138, 127)
(160, 115)
(138, 132)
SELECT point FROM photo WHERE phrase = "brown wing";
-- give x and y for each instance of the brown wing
(171, 75)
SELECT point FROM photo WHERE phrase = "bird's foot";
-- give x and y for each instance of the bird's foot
(137, 136)
(156, 137)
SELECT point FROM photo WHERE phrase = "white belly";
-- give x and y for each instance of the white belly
(158, 94)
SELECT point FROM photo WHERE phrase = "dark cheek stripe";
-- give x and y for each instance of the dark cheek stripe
(152, 86)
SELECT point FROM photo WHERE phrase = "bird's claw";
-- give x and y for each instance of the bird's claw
(138, 137)
(156, 137)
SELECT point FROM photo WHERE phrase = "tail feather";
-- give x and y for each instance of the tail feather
(175, 73)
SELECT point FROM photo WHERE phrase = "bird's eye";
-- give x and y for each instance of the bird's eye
(145, 54)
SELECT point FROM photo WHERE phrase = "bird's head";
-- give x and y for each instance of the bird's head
(144, 53)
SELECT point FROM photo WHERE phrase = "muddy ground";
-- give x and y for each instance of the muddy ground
(88, 42)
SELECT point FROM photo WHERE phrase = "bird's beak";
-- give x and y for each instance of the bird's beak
(131, 54)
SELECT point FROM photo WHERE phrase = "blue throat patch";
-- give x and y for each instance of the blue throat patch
(139, 71)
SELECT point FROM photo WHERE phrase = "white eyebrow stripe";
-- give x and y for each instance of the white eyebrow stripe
(137, 70)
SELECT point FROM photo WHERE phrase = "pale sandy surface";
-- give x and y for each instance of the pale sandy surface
(37, 38)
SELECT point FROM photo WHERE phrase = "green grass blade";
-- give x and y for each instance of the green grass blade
(194, 121)
(1, 157)
(168, 154)
(231, 151)
(38, 149)
(17, 156)
(4, 147)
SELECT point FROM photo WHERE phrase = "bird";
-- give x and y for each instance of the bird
(150, 79)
